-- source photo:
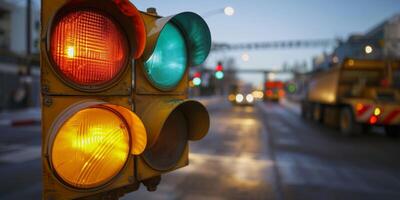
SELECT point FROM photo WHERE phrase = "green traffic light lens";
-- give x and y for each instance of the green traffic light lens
(219, 74)
(196, 81)
(166, 66)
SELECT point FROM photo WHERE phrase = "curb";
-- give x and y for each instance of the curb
(19, 122)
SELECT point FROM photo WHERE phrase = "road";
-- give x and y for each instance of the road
(261, 152)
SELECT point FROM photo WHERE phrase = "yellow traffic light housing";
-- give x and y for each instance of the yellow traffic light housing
(90, 135)
(161, 89)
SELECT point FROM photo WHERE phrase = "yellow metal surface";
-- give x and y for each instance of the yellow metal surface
(368, 64)
(90, 148)
(144, 171)
(323, 86)
(136, 127)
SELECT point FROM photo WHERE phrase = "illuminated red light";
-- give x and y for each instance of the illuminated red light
(269, 93)
(88, 48)
(197, 75)
(219, 68)
(274, 84)
(373, 119)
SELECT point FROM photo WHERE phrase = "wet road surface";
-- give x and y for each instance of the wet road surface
(261, 152)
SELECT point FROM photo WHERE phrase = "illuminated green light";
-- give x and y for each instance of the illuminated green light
(292, 88)
(166, 66)
(196, 81)
(219, 74)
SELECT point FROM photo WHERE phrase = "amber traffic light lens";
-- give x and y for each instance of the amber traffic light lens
(88, 48)
(90, 148)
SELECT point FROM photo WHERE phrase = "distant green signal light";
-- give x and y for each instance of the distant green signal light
(219, 75)
(167, 64)
(196, 81)
(292, 88)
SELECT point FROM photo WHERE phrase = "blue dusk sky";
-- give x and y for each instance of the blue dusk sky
(270, 20)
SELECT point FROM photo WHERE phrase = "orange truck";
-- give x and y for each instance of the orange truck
(355, 95)
(274, 90)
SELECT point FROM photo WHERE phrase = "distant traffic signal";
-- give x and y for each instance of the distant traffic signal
(196, 79)
(219, 74)
(161, 90)
(89, 132)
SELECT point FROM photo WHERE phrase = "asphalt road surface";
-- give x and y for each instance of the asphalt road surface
(261, 152)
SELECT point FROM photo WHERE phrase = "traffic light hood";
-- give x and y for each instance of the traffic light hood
(194, 29)
(196, 117)
(176, 122)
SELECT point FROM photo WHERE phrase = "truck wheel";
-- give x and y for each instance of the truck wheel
(348, 125)
(392, 131)
(317, 113)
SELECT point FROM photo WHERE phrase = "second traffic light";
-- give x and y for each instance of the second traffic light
(161, 89)
(219, 71)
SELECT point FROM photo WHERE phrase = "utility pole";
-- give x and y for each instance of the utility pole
(28, 27)
(28, 79)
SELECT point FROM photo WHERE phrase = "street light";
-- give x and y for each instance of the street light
(245, 57)
(228, 11)
(368, 49)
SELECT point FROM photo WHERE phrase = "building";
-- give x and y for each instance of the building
(380, 42)
(14, 93)
(13, 27)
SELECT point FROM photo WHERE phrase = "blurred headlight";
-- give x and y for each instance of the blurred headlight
(249, 98)
(239, 98)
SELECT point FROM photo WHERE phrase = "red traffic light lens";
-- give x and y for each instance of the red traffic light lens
(88, 48)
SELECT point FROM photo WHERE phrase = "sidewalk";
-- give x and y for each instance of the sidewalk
(29, 116)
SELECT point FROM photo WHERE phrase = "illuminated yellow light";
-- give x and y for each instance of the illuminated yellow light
(377, 111)
(70, 52)
(231, 97)
(359, 106)
(90, 148)
(351, 62)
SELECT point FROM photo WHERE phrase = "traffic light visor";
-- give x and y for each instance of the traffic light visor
(197, 35)
(87, 47)
(195, 32)
(169, 132)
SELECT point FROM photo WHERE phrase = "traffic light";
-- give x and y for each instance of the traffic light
(90, 135)
(161, 89)
(219, 74)
(196, 79)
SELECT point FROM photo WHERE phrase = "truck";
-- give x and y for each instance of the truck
(274, 90)
(354, 95)
(241, 95)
